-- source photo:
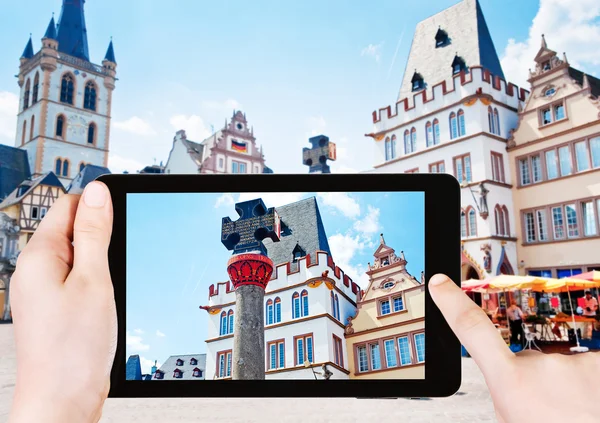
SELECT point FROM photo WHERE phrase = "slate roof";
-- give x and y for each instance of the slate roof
(28, 51)
(133, 368)
(26, 186)
(169, 366)
(51, 30)
(267, 170)
(72, 33)
(468, 37)
(195, 150)
(110, 53)
(88, 174)
(301, 224)
(153, 169)
(14, 169)
(577, 75)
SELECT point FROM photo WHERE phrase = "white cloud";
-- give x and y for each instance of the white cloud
(118, 164)
(146, 365)
(160, 334)
(343, 250)
(139, 331)
(571, 27)
(373, 50)
(135, 125)
(9, 106)
(230, 104)
(317, 125)
(370, 223)
(193, 125)
(224, 200)
(272, 199)
(341, 201)
(134, 343)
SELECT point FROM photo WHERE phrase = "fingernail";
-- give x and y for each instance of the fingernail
(95, 195)
(438, 279)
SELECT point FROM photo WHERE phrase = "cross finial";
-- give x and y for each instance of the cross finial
(381, 240)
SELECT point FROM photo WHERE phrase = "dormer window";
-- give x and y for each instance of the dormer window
(458, 65)
(385, 261)
(177, 373)
(298, 253)
(441, 38)
(417, 82)
(159, 374)
(193, 362)
(179, 362)
(197, 372)
(546, 66)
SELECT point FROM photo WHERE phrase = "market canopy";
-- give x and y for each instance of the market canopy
(502, 283)
(565, 285)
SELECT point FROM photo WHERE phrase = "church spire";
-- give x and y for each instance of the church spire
(51, 30)
(110, 53)
(72, 34)
(28, 52)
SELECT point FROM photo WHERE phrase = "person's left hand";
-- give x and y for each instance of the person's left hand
(64, 313)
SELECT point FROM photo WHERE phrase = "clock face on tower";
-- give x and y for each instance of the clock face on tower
(77, 125)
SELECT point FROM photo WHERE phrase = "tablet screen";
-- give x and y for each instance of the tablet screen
(322, 285)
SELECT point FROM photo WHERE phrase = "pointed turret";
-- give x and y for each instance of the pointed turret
(28, 52)
(110, 53)
(72, 33)
(51, 30)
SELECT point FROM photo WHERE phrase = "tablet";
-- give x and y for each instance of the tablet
(283, 285)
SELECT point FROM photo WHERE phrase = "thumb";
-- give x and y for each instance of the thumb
(471, 325)
(92, 231)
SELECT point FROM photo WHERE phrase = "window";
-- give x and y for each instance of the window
(177, 373)
(221, 163)
(158, 374)
(375, 356)
(536, 168)
(34, 212)
(295, 306)
(230, 322)
(453, 126)
(31, 128)
(276, 355)
(270, 312)
(26, 98)
(572, 226)
(277, 310)
(58, 167)
(60, 126)
(541, 225)
(491, 120)
(363, 361)
(559, 112)
(437, 167)
(497, 167)
(524, 172)
(398, 304)
(413, 140)
(407, 143)
(463, 224)
(502, 223)
(81, 166)
(417, 82)
(242, 167)
(420, 347)
(36, 88)
(462, 168)
(65, 168)
(550, 92)
(393, 146)
(24, 132)
(338, 351)
(67, 87)
(89, 98)
(497, 120)
(436, 132)
(91, 138)
(461, 124)
(179, 362)
(564, 157)
(553, 113)
(581, 156)
(595, 150)
(238, 167)
(546, 66)
(304, 303)
(193, 362)
(43, 212)
(335, 306)
(551, 165)
(197, 372)
(304, 349)
(529, 227)
(546, 116)
(388, 149)
(441, 38)
(428, 134)
(404, 350)
(390, 353)
(224, 364)
(558, 223)
(384, 308)
(589, 218)
(223, 326)
(472, 223)
(388, 285)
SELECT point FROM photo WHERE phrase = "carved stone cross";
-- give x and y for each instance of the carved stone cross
(316, 157)
(255, 224)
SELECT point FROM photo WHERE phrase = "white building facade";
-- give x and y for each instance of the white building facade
(305, 315)
(458, 125)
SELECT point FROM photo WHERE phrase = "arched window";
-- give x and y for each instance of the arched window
(407, 142)
(24, 134)
(36, 88)
(58, 167)
(26, 95)
(413, 140)
(65, 169)
(60, 126)
(393, 146)
(337, 307)
(461, 124)
(230, 321)
(89, 98)
(463, 224)
(304, 303)
(491, 120)
(295, 305)
(497, 120)
(81, 166)
(333, 309)
(436, 132)
(270, 310)
(472, 222)
(91, 138)
(223, 326)
(453, 126)
(31, 128)
(277, 310)
(388, 149)
(500, 221)
(429, 134)
(67, 88)
(506, 222)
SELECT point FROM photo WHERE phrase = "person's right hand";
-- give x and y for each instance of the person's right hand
(527, 387)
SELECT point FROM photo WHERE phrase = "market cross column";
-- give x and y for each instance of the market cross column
(316, 157)
(250, 270)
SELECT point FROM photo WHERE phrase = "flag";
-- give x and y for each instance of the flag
(238, 146)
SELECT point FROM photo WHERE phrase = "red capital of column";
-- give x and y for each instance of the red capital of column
(250, 269)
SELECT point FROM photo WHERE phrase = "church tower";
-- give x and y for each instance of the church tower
(65, 101)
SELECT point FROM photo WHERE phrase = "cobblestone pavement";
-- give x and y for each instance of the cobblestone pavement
(472, 404)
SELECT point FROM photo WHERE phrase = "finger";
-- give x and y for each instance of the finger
(91, 233)
(50, 247)
(471, 325)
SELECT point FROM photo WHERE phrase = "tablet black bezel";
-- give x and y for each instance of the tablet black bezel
(442, 244)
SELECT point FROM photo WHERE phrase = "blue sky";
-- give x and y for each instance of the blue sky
(174, 254)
